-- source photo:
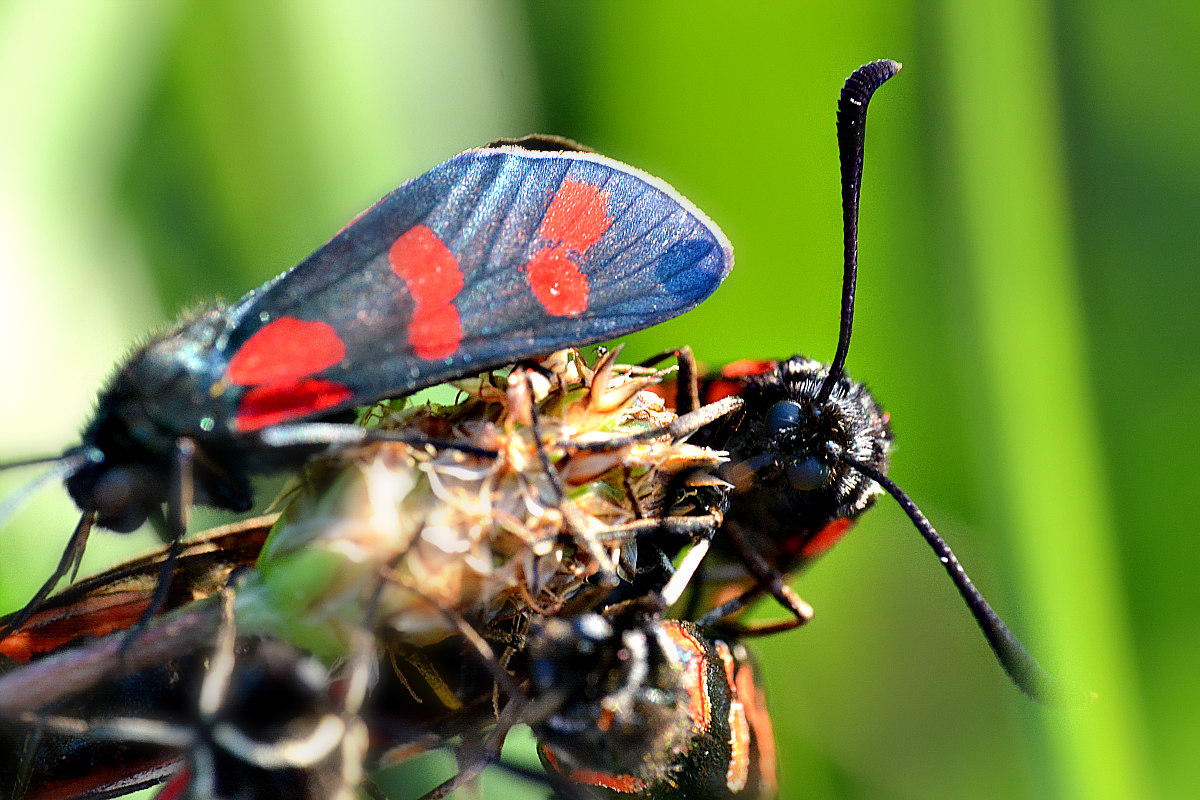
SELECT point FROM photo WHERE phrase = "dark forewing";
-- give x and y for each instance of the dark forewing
(497, 255)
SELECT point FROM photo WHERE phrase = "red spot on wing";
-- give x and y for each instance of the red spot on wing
(263, 406)
(426, 266)
(622, 784)
(577, 216)
(434, 279)
(435, 331)
(730, 666)
(285, 350)
(575, 220)
(826, 538)
(557, 282)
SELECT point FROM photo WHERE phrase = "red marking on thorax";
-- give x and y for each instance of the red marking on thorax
(720, 389)
(285, 350)
(826, 538)
(575, 220)
(434, 279)
(695, 676)
(730, 382)
(744, 368)
(263, 406)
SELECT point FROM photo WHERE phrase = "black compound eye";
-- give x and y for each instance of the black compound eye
(808, 474)
(114, 499)
(113, 492)
(783, 415)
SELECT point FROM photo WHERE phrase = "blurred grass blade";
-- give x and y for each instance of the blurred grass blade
(1010, 181)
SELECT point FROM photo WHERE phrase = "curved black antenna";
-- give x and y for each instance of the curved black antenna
(64, 466)
(851, 134)
(1020, 666)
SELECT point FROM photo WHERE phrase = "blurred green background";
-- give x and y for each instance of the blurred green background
(1027, 303)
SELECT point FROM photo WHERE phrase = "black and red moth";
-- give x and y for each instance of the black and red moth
(649, 709)
(500, 254)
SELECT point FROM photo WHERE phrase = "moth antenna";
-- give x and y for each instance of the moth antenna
(1021, 667)
(64, 466)
(30, 462)
(851, 134)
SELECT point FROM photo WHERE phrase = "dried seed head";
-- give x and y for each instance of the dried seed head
(487, 538)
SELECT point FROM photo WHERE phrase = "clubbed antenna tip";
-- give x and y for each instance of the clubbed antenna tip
(851, 134)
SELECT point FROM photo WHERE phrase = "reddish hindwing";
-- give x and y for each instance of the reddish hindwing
(727, 382)
(734, 757)
(61, 766)
(607, 783)
(131, 774)
(695, 676)
(117, 598)
(825, 538)
(738, 772)
(56, 766)
(51, 629)
(177, 788)
(263, 406)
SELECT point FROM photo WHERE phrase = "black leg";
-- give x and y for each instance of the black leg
(769, 580)
(687, 382)
(69, 562)
(174, 526)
